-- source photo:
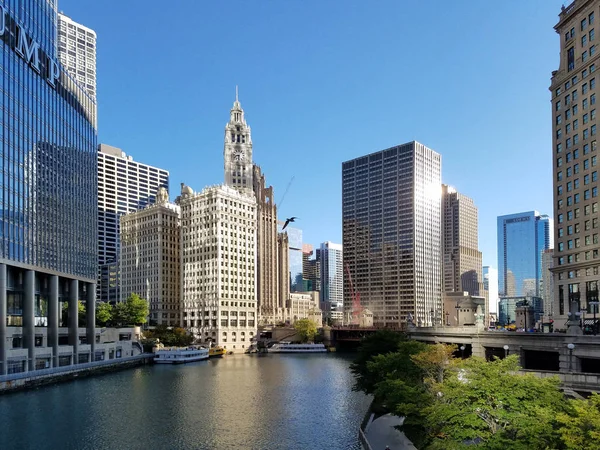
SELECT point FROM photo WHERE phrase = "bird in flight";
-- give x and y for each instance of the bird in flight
(287, 221)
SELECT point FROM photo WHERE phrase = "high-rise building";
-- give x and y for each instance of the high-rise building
(124, 186)
(392, 234)
(462, 258)
(48, 196)
(77, 52)
(548, 282)
(311, 268)
(332, 278)
(218, 235)
(575, 89)
(522, 239)
(150, 258)
(490, 286)
(270, 306)
(296, 275)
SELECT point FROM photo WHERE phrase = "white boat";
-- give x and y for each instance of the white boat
(286, 347)
(180, 355)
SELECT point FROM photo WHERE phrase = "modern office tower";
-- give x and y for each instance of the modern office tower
(548, 282)
(296, 276)
(392, 234)
(124, 186)
(522, 239)
(311, 268)
(48, 197)
(270, 307)
(332, 278)
(490, 285)
(150, 258)
(238, 150)
(574, 89)
(77, 52)
(218, 238)
(462, 258)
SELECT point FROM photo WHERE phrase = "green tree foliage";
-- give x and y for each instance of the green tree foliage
(306, 329)
(133, 311)
(170, 337)
(80, 313)
(490, 403)
(379, 343)
(580, 427)
(104, 313)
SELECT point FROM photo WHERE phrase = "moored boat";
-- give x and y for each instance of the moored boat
(216, 352)
(180, 355)
(286, 347)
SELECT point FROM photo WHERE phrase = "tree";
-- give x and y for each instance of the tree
(104, 312)
(178, 337)
(378, 343)
(133, 311)
(81, 319)
(434, 361)
(580, 427)
(491, 404)
(306, 329)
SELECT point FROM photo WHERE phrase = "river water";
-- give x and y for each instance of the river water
(238, 402)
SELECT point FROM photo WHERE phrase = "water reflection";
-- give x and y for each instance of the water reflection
(239, 402)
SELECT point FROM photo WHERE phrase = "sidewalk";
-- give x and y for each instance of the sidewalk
(381, 432)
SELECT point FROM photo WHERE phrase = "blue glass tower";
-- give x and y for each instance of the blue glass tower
(522, 238)
(48, 195)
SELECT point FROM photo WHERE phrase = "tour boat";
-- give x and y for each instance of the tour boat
(216, 352)
(286, 347)
(180, 355)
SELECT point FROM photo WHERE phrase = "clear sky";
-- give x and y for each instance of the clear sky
(325, 81)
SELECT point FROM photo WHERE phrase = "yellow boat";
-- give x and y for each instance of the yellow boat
(216, 352)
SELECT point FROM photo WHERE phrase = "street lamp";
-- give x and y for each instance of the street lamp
(594, 306)
(462, 351)
(432, 324)
(505, 350)
(571, 347)
(457, 314)
(447, 319)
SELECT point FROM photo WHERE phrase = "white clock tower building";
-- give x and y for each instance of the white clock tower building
(237, 152)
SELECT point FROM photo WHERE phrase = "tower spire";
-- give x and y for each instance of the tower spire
(236, 93)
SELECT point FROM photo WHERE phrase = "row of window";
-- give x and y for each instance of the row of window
(585, 22)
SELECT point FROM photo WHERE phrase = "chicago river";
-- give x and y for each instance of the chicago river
(238, 402)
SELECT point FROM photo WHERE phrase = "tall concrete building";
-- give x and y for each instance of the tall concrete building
(48, 259)
(150, 259)
(124, 186)
(490, 286)
(219, 249)
(522, 239)
(462, 258)
(332, 279)
(283, 273)
(268, 264)
(392, 234)
(77, 52)
(295, 257)
(574, 89)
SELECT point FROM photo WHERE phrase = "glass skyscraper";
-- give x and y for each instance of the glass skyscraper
(48, 195)
(522, 239)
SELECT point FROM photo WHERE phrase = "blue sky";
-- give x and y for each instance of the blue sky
(325, 81)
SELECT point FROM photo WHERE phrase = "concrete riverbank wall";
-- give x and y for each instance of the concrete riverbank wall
(34, 379)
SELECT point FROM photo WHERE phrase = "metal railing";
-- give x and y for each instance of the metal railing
(71, 368)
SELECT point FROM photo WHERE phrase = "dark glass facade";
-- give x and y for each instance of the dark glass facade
(48, 189)
(522, 239)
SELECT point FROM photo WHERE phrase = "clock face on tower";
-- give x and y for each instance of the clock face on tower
(238, 154)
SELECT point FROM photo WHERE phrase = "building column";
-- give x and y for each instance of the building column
(53, 319)
(3, 319)
(74, 318)
(90, 309)
(29, 318)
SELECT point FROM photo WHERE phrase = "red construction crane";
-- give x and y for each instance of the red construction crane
(356, 307)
